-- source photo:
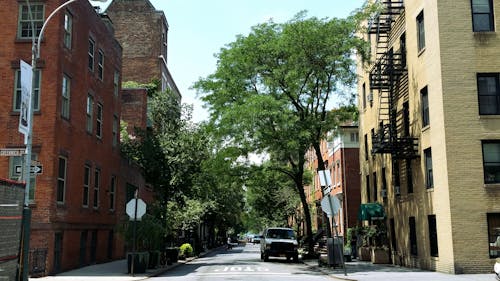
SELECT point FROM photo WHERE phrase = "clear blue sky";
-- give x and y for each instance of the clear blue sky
(199, 28)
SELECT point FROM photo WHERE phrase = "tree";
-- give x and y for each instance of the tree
(271, 89)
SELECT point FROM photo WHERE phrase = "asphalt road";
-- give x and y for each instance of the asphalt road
(241, 263)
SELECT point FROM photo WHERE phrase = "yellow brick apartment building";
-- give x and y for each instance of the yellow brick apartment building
(429, 101)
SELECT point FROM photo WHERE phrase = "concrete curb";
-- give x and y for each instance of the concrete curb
(179, 263)
(326, 271)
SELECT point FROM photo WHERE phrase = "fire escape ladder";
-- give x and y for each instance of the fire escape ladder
(384, 77)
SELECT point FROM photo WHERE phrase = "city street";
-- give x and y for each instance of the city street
(241, 263)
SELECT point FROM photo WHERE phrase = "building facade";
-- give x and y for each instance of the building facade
(429, 108)
(143, 33)
(78, 200)
(341, 156)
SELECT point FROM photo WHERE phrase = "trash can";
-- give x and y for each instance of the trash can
(335, 251)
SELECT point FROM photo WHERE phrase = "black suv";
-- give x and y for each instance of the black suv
(279, 242)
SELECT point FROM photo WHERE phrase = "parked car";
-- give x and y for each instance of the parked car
(256, 239)
(279, 242)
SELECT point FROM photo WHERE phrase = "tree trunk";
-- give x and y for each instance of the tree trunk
(299, 183)
(307, 215)
(321, 166)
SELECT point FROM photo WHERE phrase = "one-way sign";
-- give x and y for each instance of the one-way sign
(34, 169)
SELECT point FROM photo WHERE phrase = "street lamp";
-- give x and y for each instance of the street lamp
(35, 54)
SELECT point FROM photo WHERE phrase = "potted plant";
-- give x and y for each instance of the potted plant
(380, 251)
(185, 251)
(148, 241)
(364, 233)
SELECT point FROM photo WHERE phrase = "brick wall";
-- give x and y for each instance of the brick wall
(54, 136)
(459, 199)
(134, 109)
(142, 44)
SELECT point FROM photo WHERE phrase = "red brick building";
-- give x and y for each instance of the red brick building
(143, 32)
(341, 156)
(78, 200)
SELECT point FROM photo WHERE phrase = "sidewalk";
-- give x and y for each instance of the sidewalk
(113, 271)
(364, 271)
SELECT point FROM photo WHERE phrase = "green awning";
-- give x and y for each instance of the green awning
(371, 211)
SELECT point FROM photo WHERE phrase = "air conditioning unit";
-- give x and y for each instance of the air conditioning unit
(370, 97)
(383, 193)
(397, 190)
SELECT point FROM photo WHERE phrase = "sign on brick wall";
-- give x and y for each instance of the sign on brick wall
(11, 210)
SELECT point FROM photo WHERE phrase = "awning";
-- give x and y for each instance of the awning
(371, 211)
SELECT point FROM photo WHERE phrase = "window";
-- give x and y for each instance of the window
(130, 191)
(364, 95)
(402, 49)
(420, 31)
(413, 236)
(61, 180)
(115, 131)
(339, 178)
(68, 29)
(409, 177)
(384, 179)
(15, 172)
(24, 30)
(17, 91)
(396, 176)
(482, 15)
(366, 147)
(91, 52)
(394, 243)
(66, 86)
(112, 190)
(93, 246)
(424, 96)
(90, 112)
(116, 83)
(368, 188)
(433, 239)
(83, 248)
(488, 90)
(355, 137)
(429, 181)
(98, 129)
(100, 64)
(97, 183)
(406, 119)
(86, 186)
(491, 161)
(494, 234)
(164, 41)
(375, 187)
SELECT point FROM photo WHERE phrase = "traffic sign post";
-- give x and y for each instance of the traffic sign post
(136, 208)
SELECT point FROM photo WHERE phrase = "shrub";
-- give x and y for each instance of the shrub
(186, 250)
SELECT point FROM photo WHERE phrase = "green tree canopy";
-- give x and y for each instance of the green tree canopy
(271, 89)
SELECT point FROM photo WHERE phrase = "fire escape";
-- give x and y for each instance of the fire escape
(385, 76)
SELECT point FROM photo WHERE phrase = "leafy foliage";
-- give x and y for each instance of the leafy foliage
(268, 187)
(271, 90)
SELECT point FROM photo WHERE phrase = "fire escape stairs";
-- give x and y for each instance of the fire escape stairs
(384, 76)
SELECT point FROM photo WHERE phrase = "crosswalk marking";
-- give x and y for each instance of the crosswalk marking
(242, 269)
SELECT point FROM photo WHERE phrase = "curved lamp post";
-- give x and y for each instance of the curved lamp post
(35, 54)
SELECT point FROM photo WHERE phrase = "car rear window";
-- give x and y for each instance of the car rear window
(280, 233)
